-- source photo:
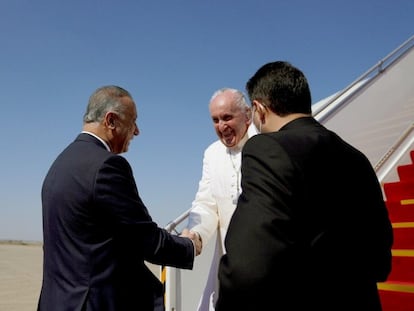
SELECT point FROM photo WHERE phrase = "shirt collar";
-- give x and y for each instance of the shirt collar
(100, 139)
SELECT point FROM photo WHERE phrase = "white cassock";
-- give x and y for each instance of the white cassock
(214, 204)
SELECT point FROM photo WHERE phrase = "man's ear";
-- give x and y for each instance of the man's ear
(261, 110)
(249, 115)
(110, 119)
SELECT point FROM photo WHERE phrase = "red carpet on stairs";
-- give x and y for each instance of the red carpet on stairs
(397, 293)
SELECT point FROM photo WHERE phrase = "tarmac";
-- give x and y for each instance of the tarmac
(21, 269)
(20, 275)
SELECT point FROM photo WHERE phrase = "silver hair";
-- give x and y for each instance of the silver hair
(103, 100)
(239, 96)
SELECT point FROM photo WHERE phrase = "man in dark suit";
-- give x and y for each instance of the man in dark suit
(311, 230)
(97, 231)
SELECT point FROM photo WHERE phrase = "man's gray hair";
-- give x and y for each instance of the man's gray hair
(103, 100)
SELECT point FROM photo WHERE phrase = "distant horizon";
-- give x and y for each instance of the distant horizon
(20, 242)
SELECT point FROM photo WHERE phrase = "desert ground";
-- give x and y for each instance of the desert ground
(21, 275)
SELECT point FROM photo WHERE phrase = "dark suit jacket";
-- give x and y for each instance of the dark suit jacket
(97, 234)
(310, 231)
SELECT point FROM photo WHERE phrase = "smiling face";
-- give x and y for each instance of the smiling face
(230, 120)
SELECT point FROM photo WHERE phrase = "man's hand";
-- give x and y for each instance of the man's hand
(195, 237)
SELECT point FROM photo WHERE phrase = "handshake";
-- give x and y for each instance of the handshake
(195, 237)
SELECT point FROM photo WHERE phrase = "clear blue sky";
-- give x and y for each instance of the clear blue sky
(171, 55)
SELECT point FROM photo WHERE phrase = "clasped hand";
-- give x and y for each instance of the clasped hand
(195, 238)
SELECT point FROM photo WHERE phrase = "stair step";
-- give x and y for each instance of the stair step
(396, 301)
(406, 172)
(403, 235)
(396, 296)
(400, 190)
(400, 211)
(402, 266)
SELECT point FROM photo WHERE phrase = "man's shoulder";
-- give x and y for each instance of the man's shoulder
(216, 146)
(264, 141)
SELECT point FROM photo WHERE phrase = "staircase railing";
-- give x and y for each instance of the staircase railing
(339, 99)
(395, 155)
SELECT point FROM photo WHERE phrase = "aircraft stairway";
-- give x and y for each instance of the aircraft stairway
(397, 293)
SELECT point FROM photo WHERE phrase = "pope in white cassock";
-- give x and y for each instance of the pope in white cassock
(219, 187)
